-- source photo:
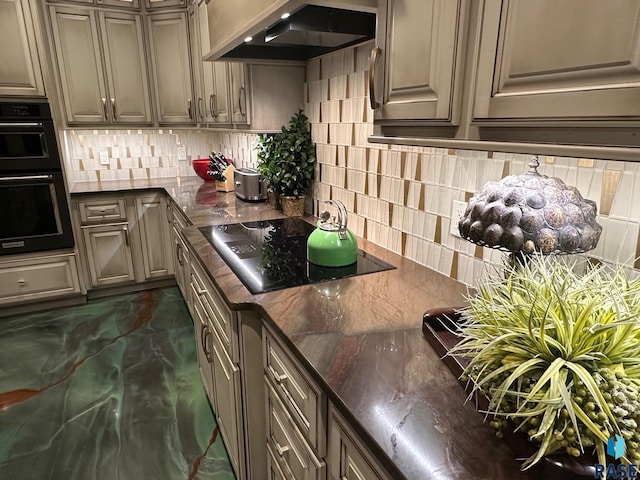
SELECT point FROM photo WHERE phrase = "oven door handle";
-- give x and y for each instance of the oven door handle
(20, 124)
(27, 179)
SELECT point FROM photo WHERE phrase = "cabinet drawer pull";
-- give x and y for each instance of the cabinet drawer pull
(281, 450)
(213, 105)
(372, 76)
(169, 214)
(204, 335)
(22, 282)
(189, 112)
(104, 108)
(113, 109)
(126, 235)
(200, 109)
(179, 254)
(278, 378)
(200, 291)
(243, 100)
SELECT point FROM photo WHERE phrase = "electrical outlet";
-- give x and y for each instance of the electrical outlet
(104, 157)
(182, 153)
(457, 211)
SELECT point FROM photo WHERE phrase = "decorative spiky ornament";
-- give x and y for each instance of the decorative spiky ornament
(531, 213)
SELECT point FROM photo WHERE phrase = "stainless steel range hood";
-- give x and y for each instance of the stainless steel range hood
(308, 32)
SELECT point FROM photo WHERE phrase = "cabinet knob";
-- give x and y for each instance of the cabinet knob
(22, 282)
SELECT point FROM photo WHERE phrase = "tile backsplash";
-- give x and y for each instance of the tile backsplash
(399, 197)
(134, 154)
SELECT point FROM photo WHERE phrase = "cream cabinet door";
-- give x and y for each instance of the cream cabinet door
(77, 48)
(419, 63)
(126, 69)
(221, 102)
(204, 342)
(108, 254)
(171, 68)
(20, 72)
(152, 223)
(226, 375)
(238, 93)
(548, 61)
(114, 91)
(196, 63)
(215, 76)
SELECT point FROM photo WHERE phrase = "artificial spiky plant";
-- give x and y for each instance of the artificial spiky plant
(558, 354)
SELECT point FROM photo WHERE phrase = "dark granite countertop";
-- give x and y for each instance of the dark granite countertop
(361, 339)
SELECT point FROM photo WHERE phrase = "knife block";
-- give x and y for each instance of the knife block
(228, 185)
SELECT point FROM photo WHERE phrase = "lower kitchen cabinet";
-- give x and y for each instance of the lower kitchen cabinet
(28, 278)
(151, 214)
(125, 238)
(108, 253)
(347, 458)
(181, 264)
(226, 375)
(292, 452)
(230, 362)
(204, 339)
(274, 472)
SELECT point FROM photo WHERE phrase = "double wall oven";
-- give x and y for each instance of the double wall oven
(34, 213)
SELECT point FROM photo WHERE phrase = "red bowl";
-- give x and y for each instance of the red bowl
(201, 167)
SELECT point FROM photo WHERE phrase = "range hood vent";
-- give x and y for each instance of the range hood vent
(309, 32)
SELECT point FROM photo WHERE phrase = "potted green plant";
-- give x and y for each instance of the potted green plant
(267, 147)
(294, 159)
(557, 355)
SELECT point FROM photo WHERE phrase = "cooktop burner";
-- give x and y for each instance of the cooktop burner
(272, 254)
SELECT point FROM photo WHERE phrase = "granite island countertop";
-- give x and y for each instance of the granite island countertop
(361, 339)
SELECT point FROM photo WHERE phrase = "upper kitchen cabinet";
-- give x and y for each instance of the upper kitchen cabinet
(238, 93)
(110, 3)
(546, 77)
(215, 75)
(152, 4)
(101, 64)
(20, 72)
(560, 64)
(171, 68)
(120, 3)
(418, 71)
(211, 79)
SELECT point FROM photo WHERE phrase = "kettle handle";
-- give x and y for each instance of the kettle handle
(342, 212)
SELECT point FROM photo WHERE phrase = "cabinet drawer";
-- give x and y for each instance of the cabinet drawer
(38, 278)
(274, 472)
(221, 316)
(301, 396)
(291, 449)
(96, 211)
(346, 457)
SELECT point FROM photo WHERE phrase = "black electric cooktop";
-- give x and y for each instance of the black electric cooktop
(272, 254)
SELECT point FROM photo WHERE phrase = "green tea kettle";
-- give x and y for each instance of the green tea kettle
(331, 244)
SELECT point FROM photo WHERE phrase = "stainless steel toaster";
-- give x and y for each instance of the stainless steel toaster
(250, 185)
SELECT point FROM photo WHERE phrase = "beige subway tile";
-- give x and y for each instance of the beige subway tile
(313, 70)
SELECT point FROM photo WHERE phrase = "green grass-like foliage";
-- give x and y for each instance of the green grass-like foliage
(558, 354)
